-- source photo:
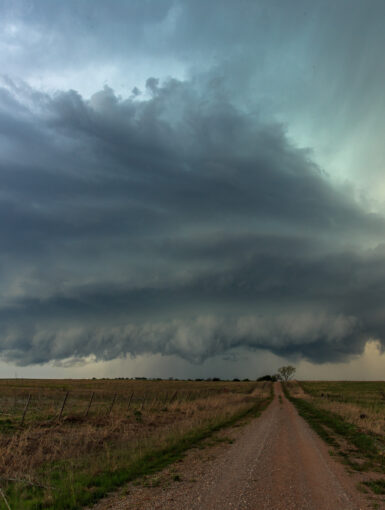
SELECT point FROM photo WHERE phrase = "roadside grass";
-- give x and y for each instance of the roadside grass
(322, 420)
(359, 403)
(377, 486)
(77, 481)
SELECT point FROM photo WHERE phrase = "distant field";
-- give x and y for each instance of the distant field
(366, 393)
(82, 438)
(359, 403)
(99, 396)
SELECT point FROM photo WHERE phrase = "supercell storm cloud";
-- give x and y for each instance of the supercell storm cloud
(186, 216)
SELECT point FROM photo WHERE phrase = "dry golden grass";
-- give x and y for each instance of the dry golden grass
(359, 403)
(295, 390)
(10, 387)
(47, 395)
(366, 419)
(99, 437)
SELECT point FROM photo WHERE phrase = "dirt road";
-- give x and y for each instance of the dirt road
(276, 463)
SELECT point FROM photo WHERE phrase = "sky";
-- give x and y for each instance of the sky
(192, 189)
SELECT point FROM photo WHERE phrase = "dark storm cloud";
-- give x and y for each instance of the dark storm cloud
(177, 224)
(184, 220)
(318, 67)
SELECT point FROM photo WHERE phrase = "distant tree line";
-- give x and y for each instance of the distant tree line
(284, 373)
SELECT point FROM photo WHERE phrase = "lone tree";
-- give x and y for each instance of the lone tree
(286, 372)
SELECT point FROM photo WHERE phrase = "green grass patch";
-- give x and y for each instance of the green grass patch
(7, 425)
(377, 486)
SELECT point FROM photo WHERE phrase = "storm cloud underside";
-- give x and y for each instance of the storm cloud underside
(178, 220)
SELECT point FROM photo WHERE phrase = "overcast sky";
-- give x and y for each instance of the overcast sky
(192, 188)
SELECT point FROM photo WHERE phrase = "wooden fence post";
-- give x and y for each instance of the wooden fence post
(63, 404)
(25, 409)
(89, 404)
(112, 404)
(5, 499)
(129, 402)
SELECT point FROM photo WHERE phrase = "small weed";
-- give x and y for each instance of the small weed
(362, 488)
(153, 482)
(377, 486)
(215, 440)
(177, 478)
(227, 440)
(7, 425)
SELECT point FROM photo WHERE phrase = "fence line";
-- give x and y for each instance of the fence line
(89, 404)
(57, 405)
(25, 409)
(64, 403)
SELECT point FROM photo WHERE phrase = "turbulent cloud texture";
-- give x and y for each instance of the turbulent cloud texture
(176, 223)
(156, 192)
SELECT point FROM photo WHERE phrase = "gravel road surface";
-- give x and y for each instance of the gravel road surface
(276, 462)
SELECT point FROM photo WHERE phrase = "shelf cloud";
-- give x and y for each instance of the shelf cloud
(166, 188)
(176, 224)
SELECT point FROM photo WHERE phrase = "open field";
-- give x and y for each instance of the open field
(359, 403)
(110, 431)
(99, 397)
(82, 440)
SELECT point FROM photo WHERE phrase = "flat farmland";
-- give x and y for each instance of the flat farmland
(99, 397)
(359, 403)
(156, 445)
(66, 443)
